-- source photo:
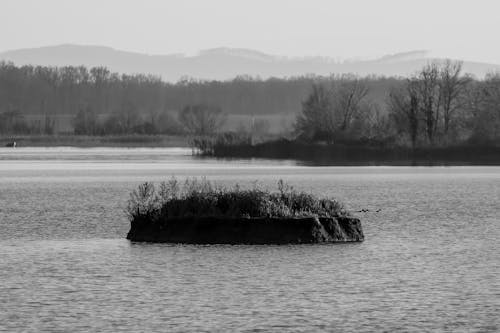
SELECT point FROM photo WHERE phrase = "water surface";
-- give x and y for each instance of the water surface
(430, 260)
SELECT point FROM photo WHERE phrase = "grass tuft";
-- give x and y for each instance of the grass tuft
(204, 198)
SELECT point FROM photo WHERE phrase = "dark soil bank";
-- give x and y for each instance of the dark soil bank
(214, 230)
(342, 154)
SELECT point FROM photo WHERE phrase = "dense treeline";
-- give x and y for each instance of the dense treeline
(438, 106)
(103, 102)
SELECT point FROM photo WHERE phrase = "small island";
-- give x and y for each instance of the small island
(200, 212)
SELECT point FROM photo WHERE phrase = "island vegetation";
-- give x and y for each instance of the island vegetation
(199, 211)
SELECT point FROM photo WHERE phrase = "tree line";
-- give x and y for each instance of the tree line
(437, 106)
(103, 102)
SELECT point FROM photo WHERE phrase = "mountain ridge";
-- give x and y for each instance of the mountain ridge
(223, 63)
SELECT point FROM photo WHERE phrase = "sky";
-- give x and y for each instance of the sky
(342, 29)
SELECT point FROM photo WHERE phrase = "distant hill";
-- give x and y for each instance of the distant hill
(225, 63)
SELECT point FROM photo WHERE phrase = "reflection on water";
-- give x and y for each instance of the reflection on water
(430, 260)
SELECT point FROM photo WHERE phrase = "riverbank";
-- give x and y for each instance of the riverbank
(84, 141)
(346, 154)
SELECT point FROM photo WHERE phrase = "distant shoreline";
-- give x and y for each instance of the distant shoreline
(83, 141)
(358, 155)
(304, 153)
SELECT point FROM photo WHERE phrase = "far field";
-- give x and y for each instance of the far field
(275, 123)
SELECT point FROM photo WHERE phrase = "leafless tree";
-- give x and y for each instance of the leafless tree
(202, 119)
(404, 107)
(348, 96)
(327, 112)
(316, 121)
(427, 88)
(452, 86)
(491, 109)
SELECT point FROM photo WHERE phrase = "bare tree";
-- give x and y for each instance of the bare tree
(316, 120)
(13, 121)
(326, 112)
(452, 86)
(202, 119)
(427, 87)
(404, 107)
(491, 110)
(100, 76)
(85, 121)
(348, 95)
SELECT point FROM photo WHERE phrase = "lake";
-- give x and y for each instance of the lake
(430, 260)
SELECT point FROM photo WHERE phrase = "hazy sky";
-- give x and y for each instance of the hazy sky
(467, 29)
